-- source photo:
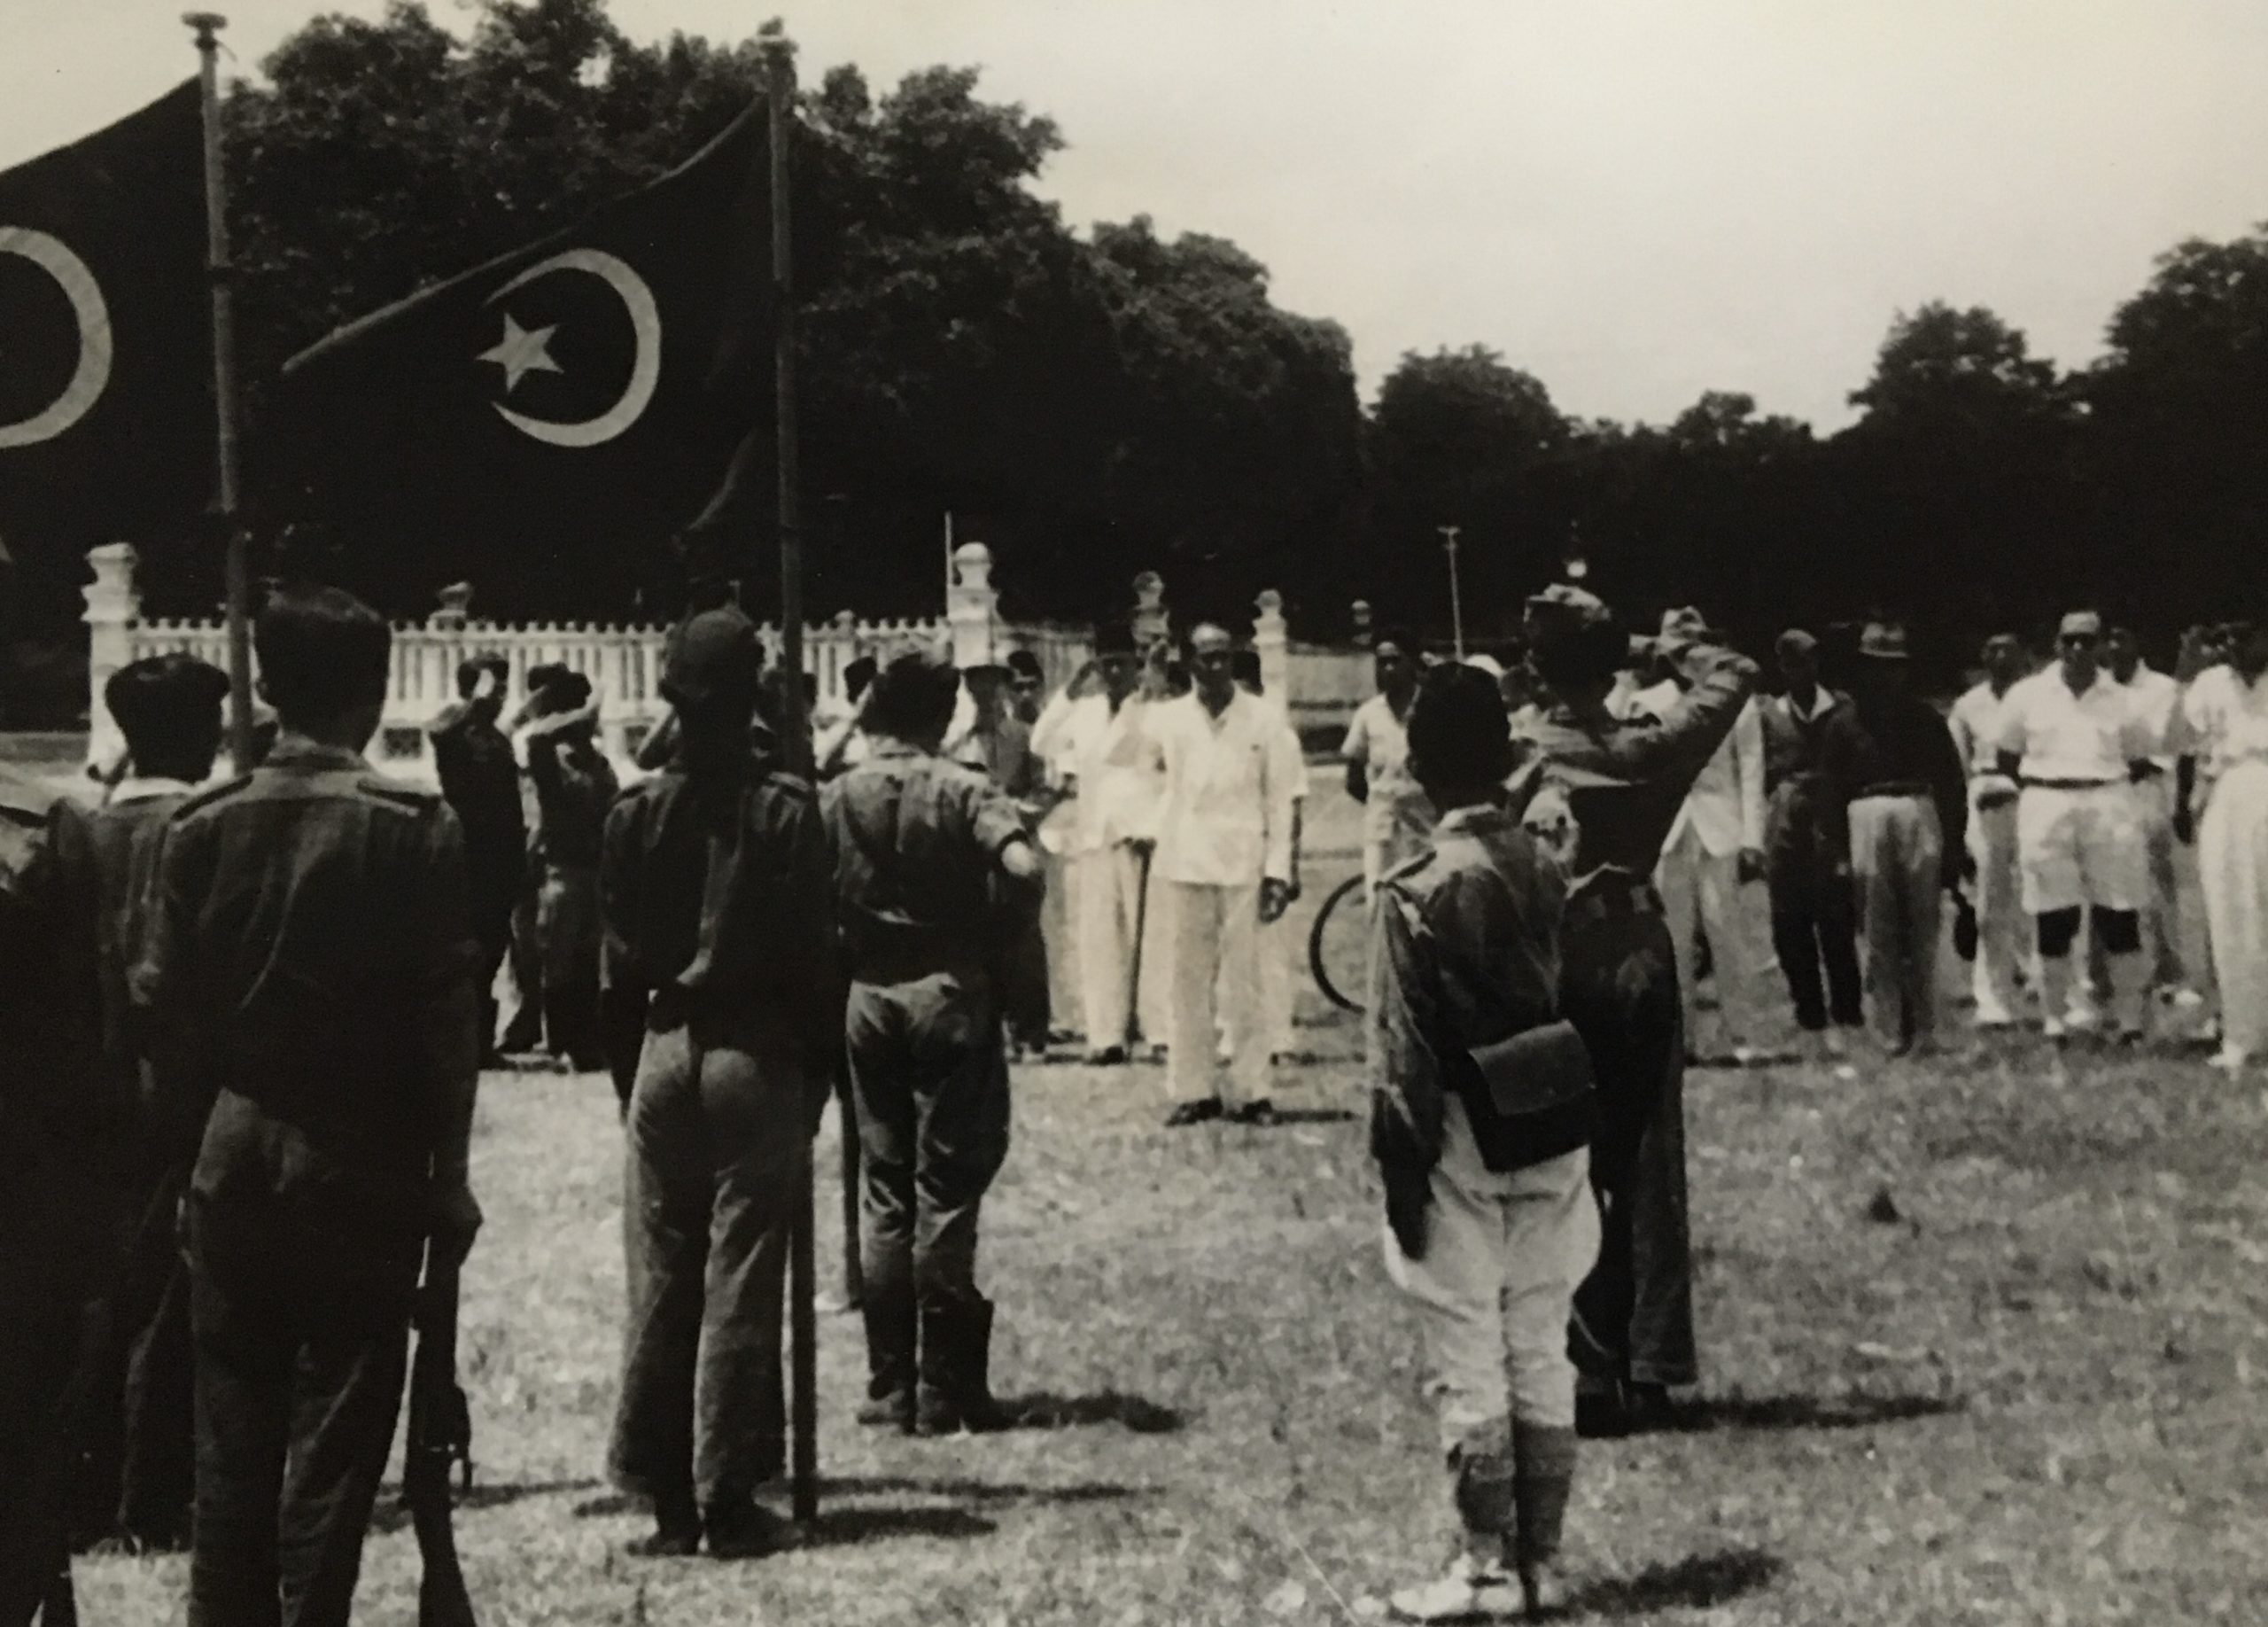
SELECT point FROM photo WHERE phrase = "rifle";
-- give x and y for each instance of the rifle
(440, 1438)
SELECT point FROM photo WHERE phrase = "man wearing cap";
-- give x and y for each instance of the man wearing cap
(1909, 813)
(1810, 744)
(1604, 792)
(168, 708)
(717, 892)
(1396, 814)
(1713, 858)
(934, 869)
(2072, 740)
(574, 785)
(2156, 696)
(1224, 853)
(1114, 783)
(480, 781)
(2000, 926)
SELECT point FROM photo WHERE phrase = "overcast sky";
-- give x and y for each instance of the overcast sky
(1635, 201)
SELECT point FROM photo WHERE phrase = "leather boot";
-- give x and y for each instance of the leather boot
(889, 1361)
(955, 1393)
(1543, 1474)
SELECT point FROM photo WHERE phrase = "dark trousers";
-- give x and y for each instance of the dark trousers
(567, 920)
(1633, 1314)
(930, 1082)
(299, 1305)
(142, 1447)
(1814, 925)
(709, 1194)
(524, 1031)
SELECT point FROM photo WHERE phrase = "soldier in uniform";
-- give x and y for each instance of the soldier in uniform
(60, 1132)
(935, 870)
(168, 708)
(717, 894)
(1481, 1120)
(1606, 790)
(481, 782)
(574, 785)
(309, 988)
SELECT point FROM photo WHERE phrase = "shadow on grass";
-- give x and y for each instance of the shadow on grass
(1108, 1406)
(1700, 1583)
(1806, 1412)
(976, 1491)
(392, 1514)
(845, 1528)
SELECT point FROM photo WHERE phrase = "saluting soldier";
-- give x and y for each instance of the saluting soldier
(936, 871)
(717, 892)
(168, 708)
(308, 982)
(480, 779)
(574, 785)
(1610, 790)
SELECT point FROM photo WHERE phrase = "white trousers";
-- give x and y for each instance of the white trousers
(1058, 930)
(1215, 979)
(2003, 934)
(1702, 893)
(2233, 863)
(1106, 895)
(1503, 1255)
(1278, 977)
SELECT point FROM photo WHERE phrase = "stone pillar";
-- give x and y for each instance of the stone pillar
(1153, 622)
(113, 608)
(1361, 615)
(972, 605)
(1271, 642)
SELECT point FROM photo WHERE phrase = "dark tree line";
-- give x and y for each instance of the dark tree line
(1096, 403)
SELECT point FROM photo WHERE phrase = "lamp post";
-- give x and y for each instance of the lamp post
(1456, 598)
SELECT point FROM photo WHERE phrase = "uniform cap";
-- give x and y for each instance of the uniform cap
(2080, 624)
(714, 654)
(1795, 641)
(1586, 608)
(1883, 640)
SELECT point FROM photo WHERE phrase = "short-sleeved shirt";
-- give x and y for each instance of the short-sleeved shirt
(1229, 779)
(574, 785)
(1975, 722)
(2156, 698)
(916, 841)
(2091, 735)
(312, 951)
(1397, 814)
(2222, 720)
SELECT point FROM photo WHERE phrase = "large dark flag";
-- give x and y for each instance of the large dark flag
(106, 426)
(587, 389)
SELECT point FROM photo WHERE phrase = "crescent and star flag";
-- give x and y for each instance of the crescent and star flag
(589, 387)
(106, 426)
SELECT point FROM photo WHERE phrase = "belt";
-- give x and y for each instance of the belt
(2030, 783)
(1896, 788)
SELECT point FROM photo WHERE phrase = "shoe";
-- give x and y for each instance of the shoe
(1107, 1056)
(890, 1332)
(2185, 999)
(1473, 1588)
(955, 1393)
(1195, 1112)
(1602, 1414)
(1262, 1113)
(1993, 1018)
(893, 1411)
(744, 1529)
(675, 1534)
(2133, 1038)
(1832, 1045)
(1745, 1057)
(1545, 1587)
(1646, 1408)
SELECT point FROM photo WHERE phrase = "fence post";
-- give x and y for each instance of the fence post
(972, 605)
(113, 607)
(1270, 641)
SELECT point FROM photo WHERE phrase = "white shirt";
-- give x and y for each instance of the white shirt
(2156, 698)
(1228, 792)
(1396, 813)
(2222, 720)
(1115, 765)
(1976, 723)
(1725, 808)
(2093, 736)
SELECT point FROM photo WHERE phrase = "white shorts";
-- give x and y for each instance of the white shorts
(2081, 849)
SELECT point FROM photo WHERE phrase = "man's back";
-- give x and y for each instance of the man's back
(914, 839)
(49, 890)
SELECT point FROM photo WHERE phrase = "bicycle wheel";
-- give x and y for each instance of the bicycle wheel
(1338, 946)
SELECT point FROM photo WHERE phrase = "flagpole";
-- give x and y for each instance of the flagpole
(206, 26)
(779, 95)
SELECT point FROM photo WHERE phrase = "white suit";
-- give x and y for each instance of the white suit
(1110, 757)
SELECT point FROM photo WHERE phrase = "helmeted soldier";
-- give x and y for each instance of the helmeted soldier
(309, 985)
(717, 892)
(936, 871)
(1606, 790)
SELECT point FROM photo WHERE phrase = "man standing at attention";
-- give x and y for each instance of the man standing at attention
(1909, 811)
(1810, 743)
(310, 976)
(1224, 853)
(2071, 739)
(934, 868)
(2001, 945)
(717, 891)
(480, 781)
(1396, 814)
(2221, 736)
(1610, 790)
(2156, 698)
(1713, 858)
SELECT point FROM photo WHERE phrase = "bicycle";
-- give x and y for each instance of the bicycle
(1339, 944)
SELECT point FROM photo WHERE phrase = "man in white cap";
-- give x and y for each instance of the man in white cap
(2071, 739)
(1976, 723)
(1711, 866)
